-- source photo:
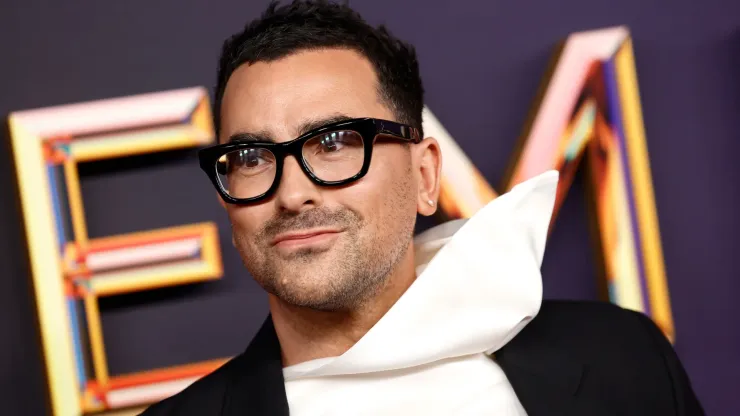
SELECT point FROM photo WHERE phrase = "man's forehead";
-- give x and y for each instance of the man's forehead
(282, 99)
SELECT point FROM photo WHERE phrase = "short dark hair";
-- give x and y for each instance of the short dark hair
(313, 24)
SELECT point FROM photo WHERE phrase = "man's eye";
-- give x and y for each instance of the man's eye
(331, 143)
(249, 158)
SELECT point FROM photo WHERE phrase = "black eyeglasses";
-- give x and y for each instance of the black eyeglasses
(333, 155)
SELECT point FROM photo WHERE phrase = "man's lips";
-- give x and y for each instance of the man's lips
(303, 237)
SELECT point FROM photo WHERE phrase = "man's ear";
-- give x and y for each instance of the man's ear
(429, 166)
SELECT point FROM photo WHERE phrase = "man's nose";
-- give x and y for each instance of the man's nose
(296, 191)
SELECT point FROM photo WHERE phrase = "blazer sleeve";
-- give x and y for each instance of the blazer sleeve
(685, 400)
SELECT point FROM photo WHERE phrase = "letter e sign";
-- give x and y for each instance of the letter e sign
(71, 271)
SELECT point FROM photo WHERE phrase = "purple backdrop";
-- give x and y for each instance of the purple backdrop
(481, 61)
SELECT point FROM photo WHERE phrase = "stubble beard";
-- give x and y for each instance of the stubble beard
(342, 278)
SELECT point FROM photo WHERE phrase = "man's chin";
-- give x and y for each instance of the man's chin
(314, 286)
(320, 303)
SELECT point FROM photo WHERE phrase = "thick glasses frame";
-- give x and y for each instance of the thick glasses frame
(369, 128)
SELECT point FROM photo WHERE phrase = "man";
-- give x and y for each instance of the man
(322, 167)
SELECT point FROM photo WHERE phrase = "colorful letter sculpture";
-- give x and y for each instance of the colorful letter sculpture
(71, 272)
(589, 104)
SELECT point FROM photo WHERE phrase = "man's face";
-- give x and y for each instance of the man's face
(318, 247)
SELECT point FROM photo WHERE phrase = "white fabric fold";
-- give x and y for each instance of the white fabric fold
(478, 285)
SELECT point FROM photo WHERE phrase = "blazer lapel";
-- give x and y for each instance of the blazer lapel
(256, 386)
(546, 383)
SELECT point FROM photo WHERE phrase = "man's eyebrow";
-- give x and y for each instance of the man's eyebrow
(313, 124)
(304, 128)
(251, 137)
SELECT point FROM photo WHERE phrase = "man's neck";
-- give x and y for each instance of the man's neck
(307, 334)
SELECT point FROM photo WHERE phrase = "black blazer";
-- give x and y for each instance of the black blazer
(574, 358)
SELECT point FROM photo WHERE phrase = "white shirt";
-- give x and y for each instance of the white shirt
(478, 285)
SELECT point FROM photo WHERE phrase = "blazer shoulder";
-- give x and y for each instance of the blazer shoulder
(250, 383)
(598, 331)
(204, 396)
(592, 322)
(588, 311)
(621, 344)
